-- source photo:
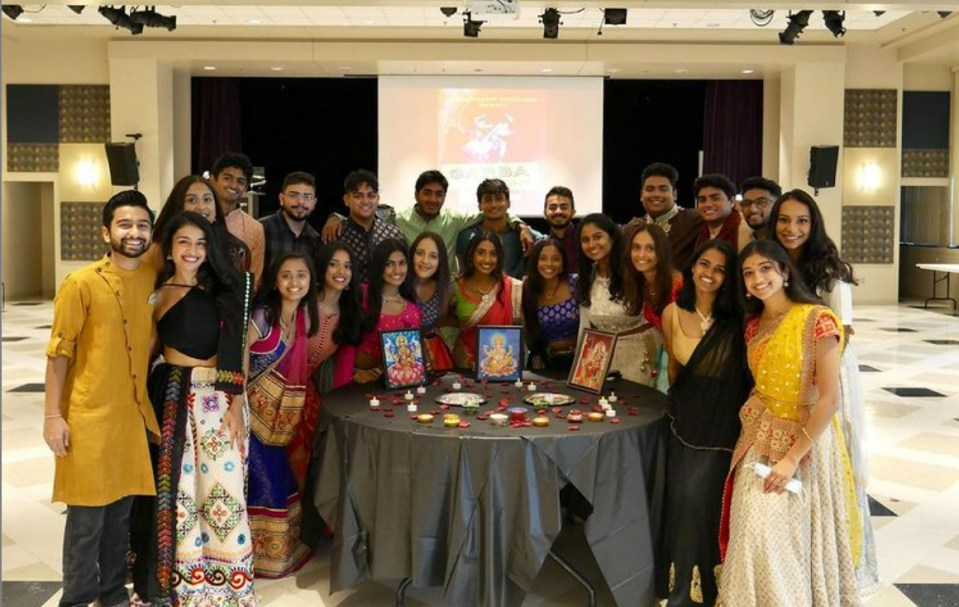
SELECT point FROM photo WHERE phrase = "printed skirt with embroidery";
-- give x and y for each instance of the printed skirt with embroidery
(192, 541)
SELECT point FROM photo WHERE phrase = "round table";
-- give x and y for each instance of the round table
(476, 510)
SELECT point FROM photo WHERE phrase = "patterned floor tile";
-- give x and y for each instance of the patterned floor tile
(28, 594)
(914, 392)
(931, 595)
(28, 388)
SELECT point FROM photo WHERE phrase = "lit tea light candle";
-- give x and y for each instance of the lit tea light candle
(411, 407)
(374, 402)
(603, 402)
(612, 397)
(457, 385)
(531, 387)
(519, 383)
(408, 395)
(610, 412)
(421, 390)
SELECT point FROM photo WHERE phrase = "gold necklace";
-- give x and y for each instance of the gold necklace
(705, 322)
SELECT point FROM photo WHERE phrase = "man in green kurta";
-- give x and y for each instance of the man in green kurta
(97, 412)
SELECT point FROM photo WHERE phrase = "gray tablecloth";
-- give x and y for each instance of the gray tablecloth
(475, 510)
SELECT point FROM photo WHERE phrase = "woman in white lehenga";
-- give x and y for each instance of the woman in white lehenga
(783, 548)
(798, 226)
(603, 306)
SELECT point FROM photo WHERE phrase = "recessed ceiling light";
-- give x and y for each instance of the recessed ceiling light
(369, 23)
(613, 70)
(681, 70)
(24, 20)
(546, 70)
(276, 68)
(254, 22)
(712, 25)
(749, 71)
(210, 68)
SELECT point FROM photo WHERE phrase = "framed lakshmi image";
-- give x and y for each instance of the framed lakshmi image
(499, 353)
(591, 365)
(403, 362)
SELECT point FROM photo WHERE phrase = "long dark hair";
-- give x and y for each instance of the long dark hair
(469, 266)
(374, 293)
(533, 288)
(238, 252)
(727, 303)
(351, 307)
(796, 291)
(586, 265)
(819, 260)
(269, 296)
(634, 283)
(216, 275)
(442, 275)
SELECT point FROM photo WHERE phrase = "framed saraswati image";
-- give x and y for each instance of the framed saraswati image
(403, 362)
(499, 353)
(591, 365)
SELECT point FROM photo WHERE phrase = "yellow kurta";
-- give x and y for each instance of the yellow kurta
(103, 322)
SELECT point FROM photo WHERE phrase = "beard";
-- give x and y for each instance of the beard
(292, 213)
(123, 247)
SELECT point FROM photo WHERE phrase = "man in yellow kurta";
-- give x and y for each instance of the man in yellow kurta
(97, 412)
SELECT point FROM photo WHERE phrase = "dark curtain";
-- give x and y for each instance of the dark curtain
(216, 120)
(646, 121)
(733, 128)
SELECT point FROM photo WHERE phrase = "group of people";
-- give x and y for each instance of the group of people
(204, 342)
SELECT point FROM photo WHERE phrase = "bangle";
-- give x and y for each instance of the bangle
(52, 416)
(806, 433)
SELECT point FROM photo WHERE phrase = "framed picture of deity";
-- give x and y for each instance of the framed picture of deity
(499, 353)
(594, 354)
(403, 362)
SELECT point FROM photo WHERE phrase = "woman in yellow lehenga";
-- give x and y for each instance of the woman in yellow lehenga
(783, 548)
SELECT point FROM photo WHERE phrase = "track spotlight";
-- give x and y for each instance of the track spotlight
(879, 13)
(550, 21)
(943, 14)
(151, 18)
(119, 18)
(834, 21)
(449, 11)
(12, 10)
(797, 23)
(77, 8)
(614, 16)
(471, 29)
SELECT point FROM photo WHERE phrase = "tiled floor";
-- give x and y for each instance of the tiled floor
(911, 377)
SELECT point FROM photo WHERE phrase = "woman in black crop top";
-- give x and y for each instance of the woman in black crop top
(198, 392)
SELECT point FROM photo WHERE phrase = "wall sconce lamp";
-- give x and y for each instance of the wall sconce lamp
(86, 173)
(870, 177)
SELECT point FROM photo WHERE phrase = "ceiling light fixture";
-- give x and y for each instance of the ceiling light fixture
(12, 10)
(151, 18)
(614, 16)
(879, 13)
(834, 21)
(254, 21)
(797, 23)
(210, 68)
(749, 71)
(551, 23)
(943, 14)
(276, 68)
(471, 29)
(119, 18)
(77, 8)
(761, 18)
(449, 11)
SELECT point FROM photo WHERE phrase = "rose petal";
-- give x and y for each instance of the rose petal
(415, 417)
(374, 408)
(573, 428)
(615, 420)
(597, 409)
(444, 406)
(584, 400)
(557, 410)
(464, 424)
(482, 417)
(388, 414)
(503, 402)
(633, 412)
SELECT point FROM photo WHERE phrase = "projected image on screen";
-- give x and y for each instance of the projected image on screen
(531, 133)
(491, 134)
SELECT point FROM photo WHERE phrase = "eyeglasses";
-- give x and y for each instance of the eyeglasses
(304, 196)
(759, 203)
(558, 207)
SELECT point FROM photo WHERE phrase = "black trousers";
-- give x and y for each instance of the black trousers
(95, 544)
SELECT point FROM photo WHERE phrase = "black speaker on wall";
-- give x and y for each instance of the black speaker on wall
(822, 166)
(122, 158)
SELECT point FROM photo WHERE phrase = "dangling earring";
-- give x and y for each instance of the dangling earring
(786, 283)
(749, 295)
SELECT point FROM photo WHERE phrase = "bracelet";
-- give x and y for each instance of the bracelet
(806, 432)
(53, 416)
